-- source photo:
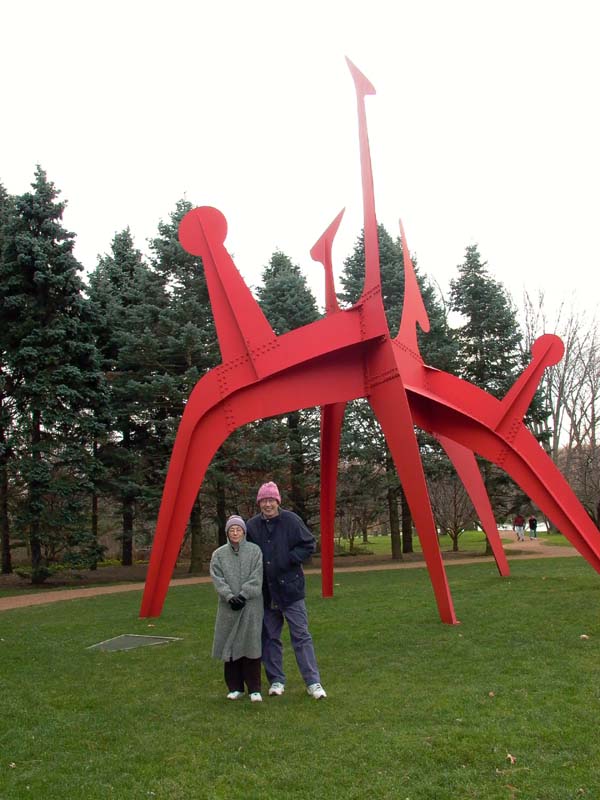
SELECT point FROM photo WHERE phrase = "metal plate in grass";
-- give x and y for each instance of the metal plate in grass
(129, 641)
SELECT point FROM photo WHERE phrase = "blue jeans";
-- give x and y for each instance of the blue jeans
(272, 649)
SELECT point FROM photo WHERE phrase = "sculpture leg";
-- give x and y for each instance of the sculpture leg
(181, 489)
(390, 404)
(209, 418)
(466, 466)
(547, 488)
(332, 417)
(522, 458)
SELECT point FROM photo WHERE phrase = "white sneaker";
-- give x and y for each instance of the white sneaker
(316, 690)
(235, 695)
(276, 689)
(256, 697)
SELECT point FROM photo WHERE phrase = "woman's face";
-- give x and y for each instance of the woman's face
(236, 534)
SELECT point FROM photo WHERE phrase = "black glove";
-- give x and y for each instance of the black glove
(237, 602)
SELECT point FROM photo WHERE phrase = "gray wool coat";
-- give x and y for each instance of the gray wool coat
(238, 633)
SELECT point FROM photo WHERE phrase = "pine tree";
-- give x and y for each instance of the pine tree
(489, 338)
(392, 276)
(489, 351)
(50, 355)
(129, 300)
(284, 296)
(437, 348)
(189, 349)
(6, 412)
(288, 304)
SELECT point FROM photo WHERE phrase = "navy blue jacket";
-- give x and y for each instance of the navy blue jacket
(285, 542)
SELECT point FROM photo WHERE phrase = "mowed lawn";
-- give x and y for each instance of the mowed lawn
(469, 543)
(505, 705)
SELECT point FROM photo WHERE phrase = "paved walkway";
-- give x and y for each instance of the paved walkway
(518, 551)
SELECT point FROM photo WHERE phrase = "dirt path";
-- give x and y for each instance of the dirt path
(523, 550)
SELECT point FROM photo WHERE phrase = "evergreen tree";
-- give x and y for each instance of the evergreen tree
(437, 347)
(129, 300)
(288, 304)
(285, 296)
(6, 412)
(489, 351)
(392, 276)
(50, 355)
(189, 349)
(489, 338)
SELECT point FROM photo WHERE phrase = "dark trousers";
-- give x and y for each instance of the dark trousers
(243, 670)
(297, 619)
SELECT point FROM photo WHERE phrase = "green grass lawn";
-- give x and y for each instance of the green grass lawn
(469, 542)
(416, 710)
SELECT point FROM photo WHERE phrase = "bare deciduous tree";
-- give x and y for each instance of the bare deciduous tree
(452, 508)
(572, 390)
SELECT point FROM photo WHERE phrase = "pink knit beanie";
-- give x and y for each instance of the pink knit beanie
(268, 490)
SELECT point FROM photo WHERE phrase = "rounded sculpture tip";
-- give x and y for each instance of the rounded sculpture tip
(200, 227)
(548, 347)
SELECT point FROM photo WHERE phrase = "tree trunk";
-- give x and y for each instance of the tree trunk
(197, 541)
(392, 502)
(35, 494)
(488, 547)
(365, 533)
(127, 541)
(94, 520)
(94, 512)
(394, 524)
(94, 524)
(4, 521)
(221, 513)
(407, 536)
(297, 468)
(127, 506)
(485, 470)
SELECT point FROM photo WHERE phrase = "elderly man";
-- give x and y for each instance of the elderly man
(285, 542)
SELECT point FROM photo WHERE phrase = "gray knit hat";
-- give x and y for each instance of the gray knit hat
(235, 520)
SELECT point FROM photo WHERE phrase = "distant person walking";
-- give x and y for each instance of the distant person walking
(532, 527)
(519, 527)
(285, 542)
(236, 570)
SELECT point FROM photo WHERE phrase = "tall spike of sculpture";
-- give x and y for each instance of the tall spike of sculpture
(347, 355)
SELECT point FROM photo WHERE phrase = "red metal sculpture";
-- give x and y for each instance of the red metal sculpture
(347, 355)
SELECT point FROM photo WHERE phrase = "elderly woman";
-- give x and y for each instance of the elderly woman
(236, 570)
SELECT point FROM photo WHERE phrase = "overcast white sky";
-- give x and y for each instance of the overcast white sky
(485, 127)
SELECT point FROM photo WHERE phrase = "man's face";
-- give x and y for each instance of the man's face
(269, 507)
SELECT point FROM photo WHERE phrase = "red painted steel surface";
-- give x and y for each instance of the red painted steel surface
(347, 355)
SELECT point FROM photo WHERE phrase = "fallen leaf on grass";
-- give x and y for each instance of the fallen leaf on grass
(584, 636)
(491, 694)
(510, 758)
